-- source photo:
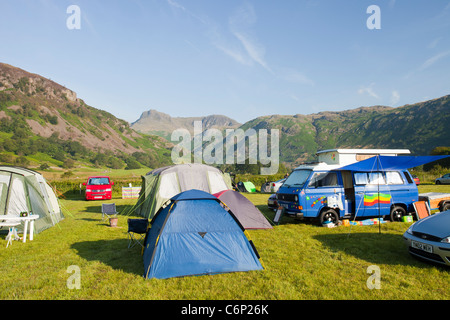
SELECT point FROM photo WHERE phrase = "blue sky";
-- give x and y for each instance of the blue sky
(243, 59)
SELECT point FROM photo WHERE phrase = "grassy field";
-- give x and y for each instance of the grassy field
(302, 261)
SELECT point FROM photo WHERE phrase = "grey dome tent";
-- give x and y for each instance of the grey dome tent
(160, 185)
(245, 211)
(25, 190)
(265, 187)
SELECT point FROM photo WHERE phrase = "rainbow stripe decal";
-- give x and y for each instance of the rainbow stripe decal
(377, 198)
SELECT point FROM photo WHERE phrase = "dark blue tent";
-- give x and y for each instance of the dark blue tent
(386, 163)
(195, 235)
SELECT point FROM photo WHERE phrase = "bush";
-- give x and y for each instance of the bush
(132, 164)
(44, 166)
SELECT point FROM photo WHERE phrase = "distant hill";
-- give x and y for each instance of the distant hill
(419, 127)
(42, 121)
(162, 124)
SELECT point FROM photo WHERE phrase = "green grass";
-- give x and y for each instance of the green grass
(302, 261)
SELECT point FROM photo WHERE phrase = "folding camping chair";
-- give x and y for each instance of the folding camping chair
(108, 209)
(137, 229)
(12, 234)
(422, 209)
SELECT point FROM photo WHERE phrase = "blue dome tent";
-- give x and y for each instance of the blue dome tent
(195, 235)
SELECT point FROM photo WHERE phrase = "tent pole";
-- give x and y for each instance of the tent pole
(379, 211)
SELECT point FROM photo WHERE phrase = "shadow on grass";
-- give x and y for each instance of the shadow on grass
(124, 209)
(114, 253)
(285, 219)
(375, 248)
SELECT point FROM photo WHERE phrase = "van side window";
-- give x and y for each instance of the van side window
(393, 177)
(323, 179)
(408, 177)
(376, 178)
(361, 178)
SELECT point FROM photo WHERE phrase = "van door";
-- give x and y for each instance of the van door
(320, 186)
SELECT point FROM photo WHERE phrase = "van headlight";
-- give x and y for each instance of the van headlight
(446, 240)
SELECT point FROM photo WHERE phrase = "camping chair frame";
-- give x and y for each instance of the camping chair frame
(108, 209)
(137, 230)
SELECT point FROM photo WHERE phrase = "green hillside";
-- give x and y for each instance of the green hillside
(420, 127)
(44, 124)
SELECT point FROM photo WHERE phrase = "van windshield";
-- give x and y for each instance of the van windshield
(297, 178)
(98, 181)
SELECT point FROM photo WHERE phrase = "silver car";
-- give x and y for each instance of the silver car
(272, 202)
(445, 179)
(429, 238)
(274, 186)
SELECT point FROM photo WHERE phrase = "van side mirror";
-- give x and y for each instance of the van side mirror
(84, 183)
(112, 183)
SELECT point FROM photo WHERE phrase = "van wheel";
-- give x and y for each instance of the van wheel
(329, 215)
(445, 207)
(397, 213)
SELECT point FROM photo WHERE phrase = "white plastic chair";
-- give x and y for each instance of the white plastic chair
(12, 234)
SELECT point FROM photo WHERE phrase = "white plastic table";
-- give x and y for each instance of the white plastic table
(29, 218)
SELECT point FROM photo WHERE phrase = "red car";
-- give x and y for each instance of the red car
(98, 188)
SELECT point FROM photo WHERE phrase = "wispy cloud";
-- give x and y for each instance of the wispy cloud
(434, 43)
(293, 76)
(429, 62)
(395, 97)
(239, 41)
(241, 25)
(178, 6)
(368, 90)
(255, 51)
(230, 48)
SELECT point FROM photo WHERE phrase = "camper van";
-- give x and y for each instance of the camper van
(98, 188)
(329, 191)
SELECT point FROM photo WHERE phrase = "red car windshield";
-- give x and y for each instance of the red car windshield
(98, 181)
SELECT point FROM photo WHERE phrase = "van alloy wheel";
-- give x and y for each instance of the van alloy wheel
(328, 215)
(397, 213)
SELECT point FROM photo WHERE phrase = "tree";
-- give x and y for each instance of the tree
(44, 166)
(68, 163)
(132, 164)
(114, 163)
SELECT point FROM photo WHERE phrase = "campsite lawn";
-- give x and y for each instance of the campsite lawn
(301, 259)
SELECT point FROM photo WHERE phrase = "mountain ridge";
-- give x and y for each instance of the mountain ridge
(420, 127)
(162, 124)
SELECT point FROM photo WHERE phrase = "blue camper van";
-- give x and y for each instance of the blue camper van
(348, 189)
